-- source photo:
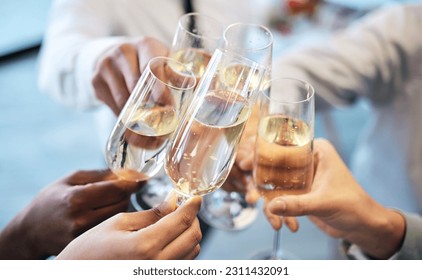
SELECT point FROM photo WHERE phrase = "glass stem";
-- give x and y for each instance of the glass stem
(276, 245)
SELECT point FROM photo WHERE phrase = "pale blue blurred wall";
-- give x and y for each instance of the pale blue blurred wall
(40, 140)
(22, 23)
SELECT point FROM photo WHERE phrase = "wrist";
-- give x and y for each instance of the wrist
(383, 235)
(16, 242)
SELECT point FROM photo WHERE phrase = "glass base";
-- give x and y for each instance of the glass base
(281, 255)
(227, 211)
(153, 193)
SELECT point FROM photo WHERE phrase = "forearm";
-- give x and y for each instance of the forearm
(382, 235)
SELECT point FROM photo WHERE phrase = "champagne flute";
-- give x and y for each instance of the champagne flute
(283, 162)
(224, 209)
(135, 149)
(196, 38)
(202, 150)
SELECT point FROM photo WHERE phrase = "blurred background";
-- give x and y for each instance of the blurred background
(42, 141)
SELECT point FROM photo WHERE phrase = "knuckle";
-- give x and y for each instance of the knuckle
(158, 213)
(186, 220)
(73, 200)
(197, 235)
(105, 63)
(75, 173)
(74, 177)
(78, 226)
(124, 49)
(121, 217)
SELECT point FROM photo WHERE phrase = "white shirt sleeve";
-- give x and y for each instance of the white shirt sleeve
(371, 58)
(78, 32)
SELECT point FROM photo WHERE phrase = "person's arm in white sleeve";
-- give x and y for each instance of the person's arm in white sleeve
(372, 58)
(78, 33)
(83, 63)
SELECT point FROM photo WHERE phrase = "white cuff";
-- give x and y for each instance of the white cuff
(353, 252)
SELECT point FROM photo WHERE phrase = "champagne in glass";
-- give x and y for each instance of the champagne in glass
(197, 36)
(209, 144)
(228, 210)
(283, 161)
(284, 157)
(202, 151)
(194, 59)
(136, 147)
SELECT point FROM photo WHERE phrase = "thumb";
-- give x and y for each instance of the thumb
(167, 206)
(153, 215)
(292, 205)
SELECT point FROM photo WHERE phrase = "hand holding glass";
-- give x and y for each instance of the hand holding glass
(283, 163)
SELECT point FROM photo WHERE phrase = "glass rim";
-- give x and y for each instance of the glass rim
(260, 26)
(305, 84)
(186, 72)
(251, 63)
(216, 22)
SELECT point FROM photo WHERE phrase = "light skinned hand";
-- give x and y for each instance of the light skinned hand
(158, 233)
(119, 69)
(64, 210)
(339, 206)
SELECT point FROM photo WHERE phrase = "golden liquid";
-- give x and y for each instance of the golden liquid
(284, 163)
(195, 60)
(153, 121)
(136, 149)
(237, 76)
(203, 152)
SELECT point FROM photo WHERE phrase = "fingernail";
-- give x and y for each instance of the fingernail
(279, 204)
(193, 199)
